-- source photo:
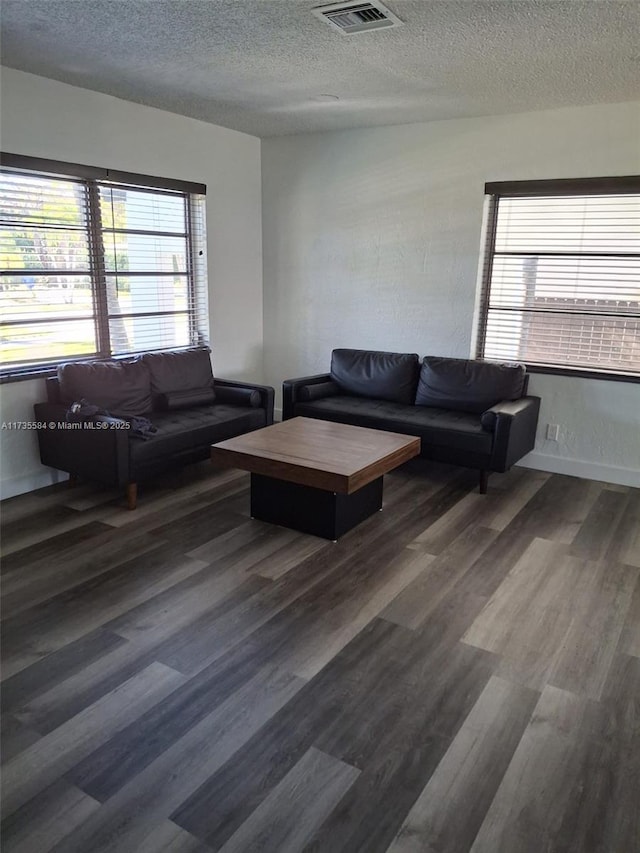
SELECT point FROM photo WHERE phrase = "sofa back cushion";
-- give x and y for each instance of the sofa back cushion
(380, 375)
(466, 385)
(122, 388)
(187, 370)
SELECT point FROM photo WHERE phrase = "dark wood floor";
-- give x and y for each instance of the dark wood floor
(459, 673)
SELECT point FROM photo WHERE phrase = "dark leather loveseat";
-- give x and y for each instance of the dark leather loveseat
(155, 411)
(470, 413)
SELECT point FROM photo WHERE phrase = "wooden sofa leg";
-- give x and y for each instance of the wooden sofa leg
(132, 495)
(484, 482)
(72, 481)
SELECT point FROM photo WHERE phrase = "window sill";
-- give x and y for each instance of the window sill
(45, 371)
(23, 376)
(583, 373)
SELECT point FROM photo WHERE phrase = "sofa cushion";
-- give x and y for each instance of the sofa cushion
(317, 391)
(182, 432)
(185, 399)
(389, 376)
(186, 370)
(466, 385)
(460, 430)
(122, 388)
(239, 396)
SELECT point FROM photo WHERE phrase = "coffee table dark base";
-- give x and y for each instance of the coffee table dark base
(310, 510)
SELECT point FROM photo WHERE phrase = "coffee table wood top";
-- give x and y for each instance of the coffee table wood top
(334, 457)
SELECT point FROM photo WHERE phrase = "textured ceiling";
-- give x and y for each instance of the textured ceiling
(260, 65)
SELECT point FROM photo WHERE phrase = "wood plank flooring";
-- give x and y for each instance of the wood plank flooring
(458, 673)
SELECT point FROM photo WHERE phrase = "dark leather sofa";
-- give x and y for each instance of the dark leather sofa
(155, 411)
(470, 413)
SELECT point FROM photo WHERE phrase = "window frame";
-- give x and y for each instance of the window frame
(494, 191)
(93, 178)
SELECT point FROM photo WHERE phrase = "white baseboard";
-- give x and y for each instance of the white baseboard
(13, 486)
(582, 468)
(277, 414)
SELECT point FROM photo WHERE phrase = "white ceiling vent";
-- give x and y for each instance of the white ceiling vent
(356, 17)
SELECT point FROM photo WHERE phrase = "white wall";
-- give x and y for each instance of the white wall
(44, 118)
(371, 240)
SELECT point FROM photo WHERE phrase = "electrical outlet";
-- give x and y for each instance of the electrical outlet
(553, 431)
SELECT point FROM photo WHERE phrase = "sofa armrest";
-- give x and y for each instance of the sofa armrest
(291, 389)
(267, 394)
(96, 447)
(514, 424)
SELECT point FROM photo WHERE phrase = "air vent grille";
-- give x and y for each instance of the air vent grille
(357, 17)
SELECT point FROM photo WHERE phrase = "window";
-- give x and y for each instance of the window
(96, 264)
(561, 278)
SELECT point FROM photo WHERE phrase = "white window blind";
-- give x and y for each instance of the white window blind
(97, 268)
(562, 276)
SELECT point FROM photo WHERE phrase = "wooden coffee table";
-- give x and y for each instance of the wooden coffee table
(316, 476)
